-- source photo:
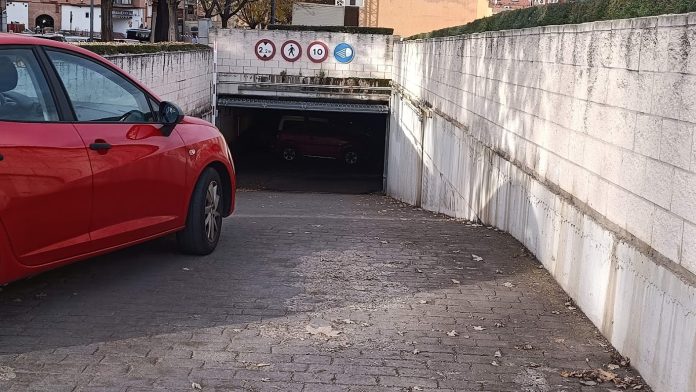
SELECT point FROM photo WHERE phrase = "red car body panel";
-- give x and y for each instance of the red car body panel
(61, 201)
(44, 166)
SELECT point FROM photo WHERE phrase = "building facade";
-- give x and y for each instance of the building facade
(74, 15)
(409, 17)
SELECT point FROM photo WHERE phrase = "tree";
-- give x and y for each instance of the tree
(229, 8)
(209, 7)
(258, 13)
(107, 25)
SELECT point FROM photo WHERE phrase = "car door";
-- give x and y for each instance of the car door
(323, 141)
(45, 174)
(139, 173)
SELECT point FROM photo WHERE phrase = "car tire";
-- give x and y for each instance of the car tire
(351, 158)
(289, 154)
(204, 219)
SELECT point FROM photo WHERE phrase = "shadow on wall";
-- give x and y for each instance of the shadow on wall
(444, 168)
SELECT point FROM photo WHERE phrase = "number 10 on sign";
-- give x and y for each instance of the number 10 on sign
(318, 52)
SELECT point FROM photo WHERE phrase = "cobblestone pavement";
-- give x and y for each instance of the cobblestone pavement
(307, 292)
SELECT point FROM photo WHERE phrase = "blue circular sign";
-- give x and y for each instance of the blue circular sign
(344, 53)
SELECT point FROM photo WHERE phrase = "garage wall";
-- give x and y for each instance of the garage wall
(579, 141)
(185, 78)
(238, 63)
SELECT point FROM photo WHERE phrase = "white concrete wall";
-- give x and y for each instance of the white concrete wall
(80, 18)
(580, 141)
(18, 12)
(184, 78)
(238, 62)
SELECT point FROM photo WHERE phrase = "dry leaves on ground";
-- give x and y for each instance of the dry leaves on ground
(327, 331)
(599, 376)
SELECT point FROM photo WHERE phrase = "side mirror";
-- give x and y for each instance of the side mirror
(170, 115)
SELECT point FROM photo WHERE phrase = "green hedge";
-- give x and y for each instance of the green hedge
(575, 12)
(336, 29)
(104, 49)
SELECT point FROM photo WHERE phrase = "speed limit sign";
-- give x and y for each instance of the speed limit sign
(265, 50)
(318, 52)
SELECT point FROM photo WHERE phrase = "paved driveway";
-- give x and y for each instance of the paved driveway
(307, 292)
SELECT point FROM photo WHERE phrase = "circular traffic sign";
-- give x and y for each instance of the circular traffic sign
(318, 52)
(265, 50)
(291, 51)
(344, 53)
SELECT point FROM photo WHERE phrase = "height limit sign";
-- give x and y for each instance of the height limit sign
(265, 50)
(318, 52)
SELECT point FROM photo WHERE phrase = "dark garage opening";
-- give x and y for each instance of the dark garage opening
(306, 150)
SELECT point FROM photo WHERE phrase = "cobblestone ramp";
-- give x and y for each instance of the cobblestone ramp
(308, 292)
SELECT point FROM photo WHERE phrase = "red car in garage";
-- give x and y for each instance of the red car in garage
(92, 161)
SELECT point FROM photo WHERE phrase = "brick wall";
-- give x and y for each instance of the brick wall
(184, 78)
(239, 64)
(580, 141)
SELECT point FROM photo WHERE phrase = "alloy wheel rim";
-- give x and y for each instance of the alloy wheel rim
(212, 211)
(351, 158)
(289, 154)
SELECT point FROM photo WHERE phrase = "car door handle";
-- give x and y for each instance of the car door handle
(100, 146)
(2, 157)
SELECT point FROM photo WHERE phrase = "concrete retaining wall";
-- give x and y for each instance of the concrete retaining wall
(185, 78)
(579, 141)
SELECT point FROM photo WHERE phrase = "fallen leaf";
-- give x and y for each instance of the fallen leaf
(196, 385)
(498, 271)
(555, 312)
(479, 328)
(499, 325)
(452, 333)
(416, 351)
(384, 242)
(455, 281)
(533, 365)
(419, 271)
(422, 302)
(495, 363)
(605, 375)
(7, 373)
(476, 257)
(262, 365)
(498, 354)
(612, 366)
(186, 269)
(417, 388)
(348, 321)
(363, 324)
(265, 379)
(401, 333)
(588, 383)
(508, 284)
(326, 331)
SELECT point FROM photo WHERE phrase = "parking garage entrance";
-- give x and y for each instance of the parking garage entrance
(306, 146)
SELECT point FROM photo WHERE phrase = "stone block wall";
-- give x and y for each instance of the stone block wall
(238, 63)
(580, 141)
(185, 78)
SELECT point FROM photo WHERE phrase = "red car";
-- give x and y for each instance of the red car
(92, 161)
(300, 136)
